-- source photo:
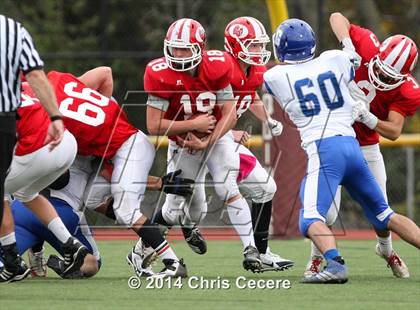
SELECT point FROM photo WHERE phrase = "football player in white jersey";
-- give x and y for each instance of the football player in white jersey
(316, 95)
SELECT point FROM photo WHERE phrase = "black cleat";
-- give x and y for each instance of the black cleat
(14, 273)
(252, 260)
(74, 256)
(57, 264)
(195, 239)
(172, 269)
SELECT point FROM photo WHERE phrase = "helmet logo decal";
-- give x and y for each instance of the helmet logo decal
(385, 44)
(200, 34)
(238, 31)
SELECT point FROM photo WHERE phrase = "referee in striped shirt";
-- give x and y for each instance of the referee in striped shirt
(18, 56)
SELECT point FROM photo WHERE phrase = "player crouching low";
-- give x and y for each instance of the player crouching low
(98, 198)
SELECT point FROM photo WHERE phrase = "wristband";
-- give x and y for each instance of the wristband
(55, 118)
(372, 121)
(347, 43)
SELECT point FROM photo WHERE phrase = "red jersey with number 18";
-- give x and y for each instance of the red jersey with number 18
(187, 94)
(97, 122)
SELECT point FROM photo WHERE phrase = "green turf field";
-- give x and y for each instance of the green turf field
(371, 284)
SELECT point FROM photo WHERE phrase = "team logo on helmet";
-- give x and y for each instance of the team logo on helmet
(385, 44)
(200, 34)
(238, 31)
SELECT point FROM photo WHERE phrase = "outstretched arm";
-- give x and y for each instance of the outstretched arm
(340, 25)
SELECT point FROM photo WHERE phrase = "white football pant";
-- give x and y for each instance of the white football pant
(31, 173)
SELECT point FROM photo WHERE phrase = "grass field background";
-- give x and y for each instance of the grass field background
(371, 284)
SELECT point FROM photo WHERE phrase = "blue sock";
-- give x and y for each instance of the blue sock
(331, 254)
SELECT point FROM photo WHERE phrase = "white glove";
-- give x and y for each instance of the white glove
(349, 48)
(357, 94)
(362, 114)
(275, 126)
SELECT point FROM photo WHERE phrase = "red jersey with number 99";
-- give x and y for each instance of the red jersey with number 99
(189, 95)
(245, 85)
(404, 99)
(32, 123)
(97, 122)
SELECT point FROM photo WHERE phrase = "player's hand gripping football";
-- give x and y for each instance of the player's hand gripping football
(55, 134)
(172, 184)
(241, 136)
(204, 123)
(275, 126)
(193, 143)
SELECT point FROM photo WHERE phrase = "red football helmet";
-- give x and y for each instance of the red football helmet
(185, 34)
(240, 33)
(397, 57)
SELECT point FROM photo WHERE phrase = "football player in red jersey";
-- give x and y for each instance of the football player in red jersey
(34, 166)
(187, 82)
(101, 129)
(245, 43)
(390, 94)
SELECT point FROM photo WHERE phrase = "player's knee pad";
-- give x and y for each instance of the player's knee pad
(264, 192)
(196, 213)
(380, 221)
(25, 197)
(332, 213)
(304, 223)
(173, 209)
(225, 184)
(127, 207)
(97, 192)
(331, 216)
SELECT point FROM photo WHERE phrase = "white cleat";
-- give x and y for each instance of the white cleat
(274, 262)
(313, 267)
(135, 260)
(397, 265)
(37, 263)
(147, 253)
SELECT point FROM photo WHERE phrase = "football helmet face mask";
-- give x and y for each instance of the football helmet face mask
(294, 41)
(246, 39)
(185, 34)
(397, 57)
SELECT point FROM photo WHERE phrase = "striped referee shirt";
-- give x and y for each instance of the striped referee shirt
(17, 54)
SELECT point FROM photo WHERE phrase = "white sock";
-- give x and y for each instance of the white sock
(8, 239)
(314, 250)
(56, 226)
(385, 244)
(138, 246)
(165, 251)
(240, 217)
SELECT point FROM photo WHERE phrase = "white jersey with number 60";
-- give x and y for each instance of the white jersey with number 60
(315, 95)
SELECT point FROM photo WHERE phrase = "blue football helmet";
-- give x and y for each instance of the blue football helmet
(294, 41)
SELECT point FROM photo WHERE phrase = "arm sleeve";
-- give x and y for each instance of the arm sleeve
(29, 58)
(345, 64)
(158, 103)
(225, 94)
